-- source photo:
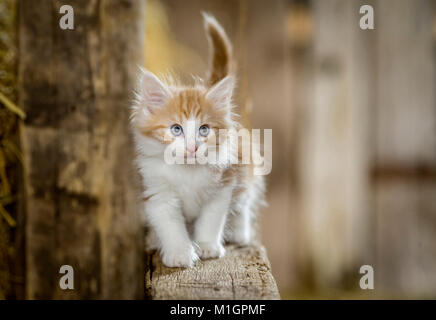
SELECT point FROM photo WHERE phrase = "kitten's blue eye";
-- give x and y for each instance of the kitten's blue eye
(176, 130)
(204, 130)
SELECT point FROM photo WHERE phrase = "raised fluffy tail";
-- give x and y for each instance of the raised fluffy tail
(221, 50)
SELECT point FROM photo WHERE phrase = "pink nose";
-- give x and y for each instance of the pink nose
(192, 149)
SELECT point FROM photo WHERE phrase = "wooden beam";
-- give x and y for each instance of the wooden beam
(243, 273)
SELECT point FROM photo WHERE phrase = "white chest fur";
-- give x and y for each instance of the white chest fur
(193, 186)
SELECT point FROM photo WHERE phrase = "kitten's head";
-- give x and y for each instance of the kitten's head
(188, 117)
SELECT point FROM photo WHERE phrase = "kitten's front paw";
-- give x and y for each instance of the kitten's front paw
(209, 250)
(239, 238)
(184, 257)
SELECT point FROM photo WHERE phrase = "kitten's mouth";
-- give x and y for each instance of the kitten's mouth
(190, 156)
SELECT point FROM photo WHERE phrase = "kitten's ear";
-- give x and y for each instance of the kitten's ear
(221, 93)
(154, 93)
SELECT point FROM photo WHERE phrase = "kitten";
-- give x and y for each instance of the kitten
(193, 208)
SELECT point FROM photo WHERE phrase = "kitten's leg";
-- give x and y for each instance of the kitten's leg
(165, 216)
(239, 228)
(209, 227)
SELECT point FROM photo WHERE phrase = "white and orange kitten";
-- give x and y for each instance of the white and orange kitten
(193, 208)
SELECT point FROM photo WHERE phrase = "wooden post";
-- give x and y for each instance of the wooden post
(82, 206)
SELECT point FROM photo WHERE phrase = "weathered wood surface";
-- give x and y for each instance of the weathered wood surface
(243, 273)
(81, 204)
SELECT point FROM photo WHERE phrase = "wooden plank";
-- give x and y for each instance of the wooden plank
(243, 273)
(406, 230)
(404, 167)
(81, 203)
(333, 148)
(406, 113)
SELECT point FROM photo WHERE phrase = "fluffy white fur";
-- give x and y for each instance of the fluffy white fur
(187, 208)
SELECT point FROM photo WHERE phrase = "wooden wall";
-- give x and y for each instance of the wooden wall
(367, 148)
(82, 206)
(404, 168)
(333, 146)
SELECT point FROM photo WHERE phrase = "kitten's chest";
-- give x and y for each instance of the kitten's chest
(195, 188)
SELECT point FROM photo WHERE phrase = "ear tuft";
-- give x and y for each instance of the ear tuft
(221, 93)
(153, 92)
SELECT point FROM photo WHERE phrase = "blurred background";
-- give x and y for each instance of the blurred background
(353, 114)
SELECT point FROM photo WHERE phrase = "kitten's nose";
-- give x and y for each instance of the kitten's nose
(192, 148)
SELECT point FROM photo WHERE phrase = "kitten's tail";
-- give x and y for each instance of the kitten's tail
(221, 50)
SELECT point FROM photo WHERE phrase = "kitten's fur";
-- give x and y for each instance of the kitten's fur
(192, 209)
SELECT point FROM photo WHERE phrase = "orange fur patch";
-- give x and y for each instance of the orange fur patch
(185, 104)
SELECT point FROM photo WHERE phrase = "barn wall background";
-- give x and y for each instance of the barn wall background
(353, 115)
